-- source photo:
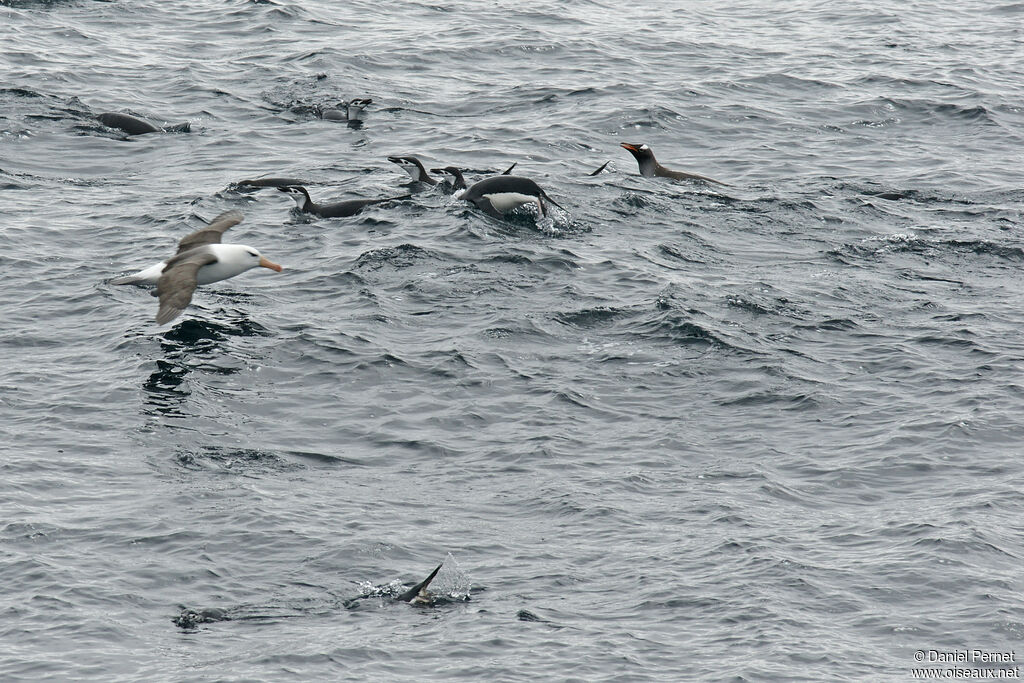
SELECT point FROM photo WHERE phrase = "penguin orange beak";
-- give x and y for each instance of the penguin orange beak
(631, 148)
(270, 264)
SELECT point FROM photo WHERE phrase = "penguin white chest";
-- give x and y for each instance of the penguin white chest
(506, 201)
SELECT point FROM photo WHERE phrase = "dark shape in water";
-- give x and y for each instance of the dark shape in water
(601, 168)
(269, 182)
(189, 619)
(135, 126)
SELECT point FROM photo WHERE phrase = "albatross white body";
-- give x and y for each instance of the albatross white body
(232, 260)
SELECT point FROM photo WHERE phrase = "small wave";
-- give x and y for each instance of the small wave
(590, 317)
(910, 243)
(677, 254)
(1012, 8)
(759, 398)
(402, 256)
(19, 92)
(889, 111)
(235, 460)
(675, 327)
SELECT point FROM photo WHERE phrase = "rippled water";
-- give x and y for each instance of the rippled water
(676, 432)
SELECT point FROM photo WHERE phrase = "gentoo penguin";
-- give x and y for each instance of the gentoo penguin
(338, 210)
(499, 194)
(200, 260)
(414, 167)
(650, 167)
(134, 126)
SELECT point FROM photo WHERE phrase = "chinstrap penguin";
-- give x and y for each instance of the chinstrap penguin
(337, 210)
(414, 167)
(350, 111)
(269, 182)
(458, 181)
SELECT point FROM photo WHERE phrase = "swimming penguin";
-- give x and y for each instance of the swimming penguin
(200, 260)
(500, 194)
(268, 182)
(418, 595)
(649, 166)
(354, 108)
(459, 182)
(346, 111)
(135, 126)
(598, 171)
(189, 618)
(337, 210)
(414, 167)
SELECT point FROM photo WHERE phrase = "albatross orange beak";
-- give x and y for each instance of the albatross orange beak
(270, 264)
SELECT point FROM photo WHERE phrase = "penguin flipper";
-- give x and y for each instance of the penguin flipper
(488, 208)
(544, 195)
(419, 587)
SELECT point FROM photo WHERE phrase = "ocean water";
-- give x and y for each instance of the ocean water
(676, 431)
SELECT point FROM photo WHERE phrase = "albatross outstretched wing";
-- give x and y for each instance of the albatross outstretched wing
(178, 281)
(211, 233)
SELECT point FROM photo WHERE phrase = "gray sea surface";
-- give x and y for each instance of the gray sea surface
(676, 431)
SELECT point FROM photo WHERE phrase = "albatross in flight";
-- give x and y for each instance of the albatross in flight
(200, 260)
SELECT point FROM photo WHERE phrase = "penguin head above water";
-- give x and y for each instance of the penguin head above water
(355, 107)
(643, 155)
(299, 194)
(414, 167)
(455, 172)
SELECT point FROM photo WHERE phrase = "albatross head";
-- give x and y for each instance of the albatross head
(246, 258)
